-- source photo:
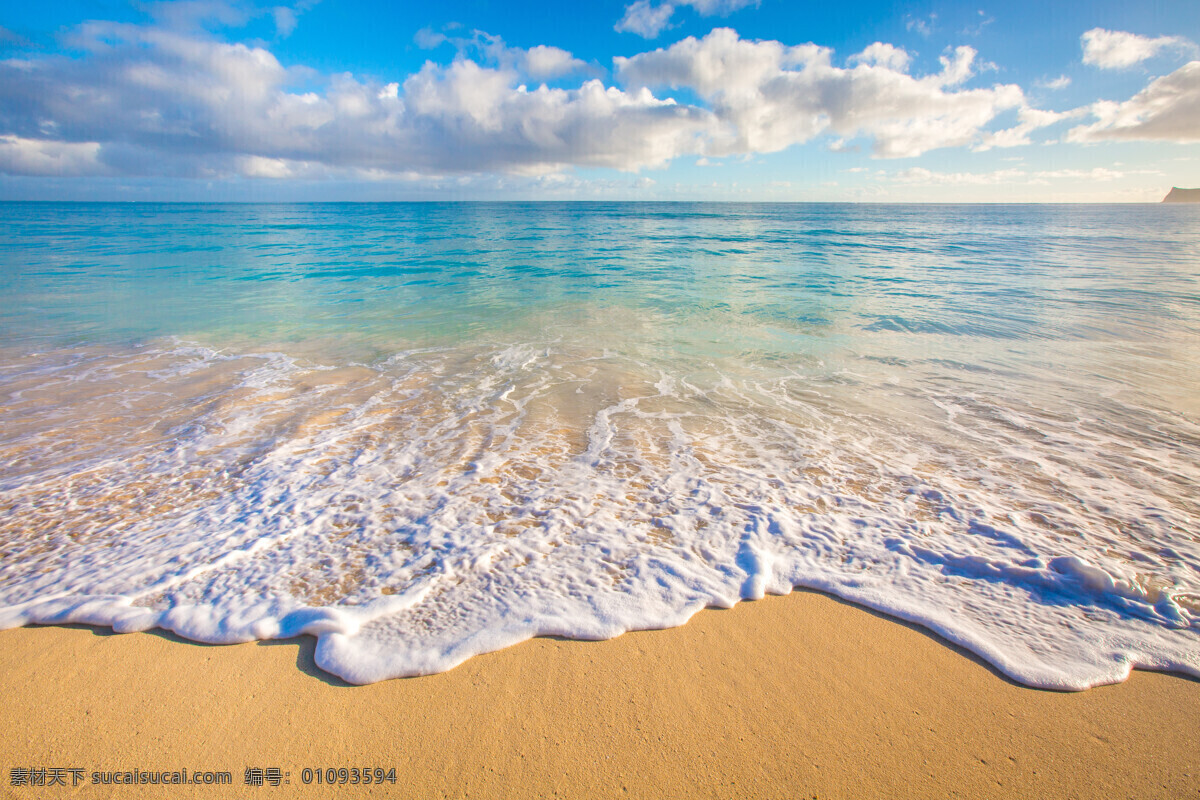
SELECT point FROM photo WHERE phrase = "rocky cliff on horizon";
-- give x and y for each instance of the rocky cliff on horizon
(1177, 195)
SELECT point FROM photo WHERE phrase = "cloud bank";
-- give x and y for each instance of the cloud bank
(767, 96)
(148, 101)
(174, 101)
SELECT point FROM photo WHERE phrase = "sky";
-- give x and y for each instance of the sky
(775, 100)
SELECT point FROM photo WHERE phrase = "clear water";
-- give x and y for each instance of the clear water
(425, 431)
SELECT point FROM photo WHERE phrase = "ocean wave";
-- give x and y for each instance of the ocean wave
(436, 503)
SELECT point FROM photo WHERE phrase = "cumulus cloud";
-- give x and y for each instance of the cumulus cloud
(152, 101)
(543, 62)
(648, 19)
(482, 123)
(769, 96)
(159, 101)
(883, 55)
(1117, 49)
(1168, 109)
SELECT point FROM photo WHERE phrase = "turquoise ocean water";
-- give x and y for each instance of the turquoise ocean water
(426, 431)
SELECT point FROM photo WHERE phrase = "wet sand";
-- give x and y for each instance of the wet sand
(787, 697)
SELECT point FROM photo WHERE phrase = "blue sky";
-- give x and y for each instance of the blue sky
(656, 100)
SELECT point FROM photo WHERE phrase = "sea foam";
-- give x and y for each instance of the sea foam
(444, 503)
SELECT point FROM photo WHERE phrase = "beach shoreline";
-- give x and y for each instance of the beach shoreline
(796, 696)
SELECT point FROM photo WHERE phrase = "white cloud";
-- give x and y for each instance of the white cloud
(20, 156)
(769, 96)
(149, 101)
(922, 176)
(153, 101)
(919, 176)
(648, 20)
(543, 62)
(1028, 120)
(539, 63)
(260, 167)
(1094, 174)
(1061, 82)
(883, 55)
(644, 19)
(956, 68)
(1168, 109)
(1117, 49)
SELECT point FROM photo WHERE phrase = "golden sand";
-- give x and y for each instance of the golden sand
(788, 697)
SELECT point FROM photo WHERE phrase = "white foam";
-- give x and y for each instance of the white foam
(444, 503)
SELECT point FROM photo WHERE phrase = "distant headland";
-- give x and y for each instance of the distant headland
(1177, 195)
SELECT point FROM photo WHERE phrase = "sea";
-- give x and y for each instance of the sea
(425, 431)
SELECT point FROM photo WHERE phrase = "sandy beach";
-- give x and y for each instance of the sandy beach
(787, 697)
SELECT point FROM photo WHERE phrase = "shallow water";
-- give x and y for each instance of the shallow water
(426, 431)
